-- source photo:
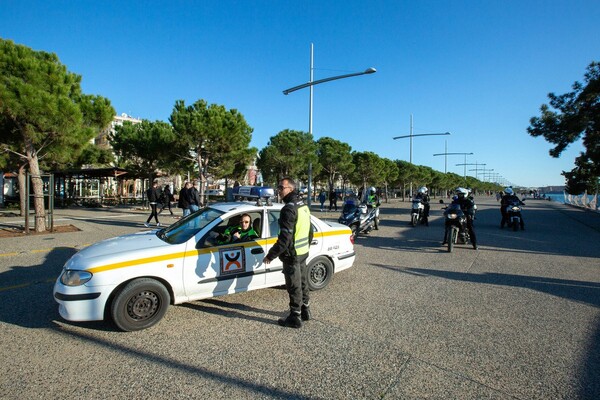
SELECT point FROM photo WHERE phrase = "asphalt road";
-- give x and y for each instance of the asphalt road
(517, 319)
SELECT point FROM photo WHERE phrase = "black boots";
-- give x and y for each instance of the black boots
(294, 319)
(291, 321)
(305, 313)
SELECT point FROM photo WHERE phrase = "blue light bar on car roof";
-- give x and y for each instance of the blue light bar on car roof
(253, 192)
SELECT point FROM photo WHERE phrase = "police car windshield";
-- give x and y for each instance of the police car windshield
(185, 228)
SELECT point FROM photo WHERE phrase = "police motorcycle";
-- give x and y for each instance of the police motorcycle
(512, 211)
(358, 217)
(455, 225)
(417, 212)
(513, 215)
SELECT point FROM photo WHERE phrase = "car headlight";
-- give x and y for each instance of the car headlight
(71, 277)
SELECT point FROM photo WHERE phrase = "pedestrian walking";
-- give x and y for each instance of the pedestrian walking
(322, 198)
(184, 198)
(153, 195)
(166, 198)
(194, 198)
(295, 235)
(332, 200)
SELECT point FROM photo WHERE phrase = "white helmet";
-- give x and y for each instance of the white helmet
(461, 192)
(423, 190)
(509, 191)
(372, 189)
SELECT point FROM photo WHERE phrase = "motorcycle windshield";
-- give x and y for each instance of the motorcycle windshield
(453, 209)
(349, 208)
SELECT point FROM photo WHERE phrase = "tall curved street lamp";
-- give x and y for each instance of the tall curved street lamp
(458, 154)
(411, 136)
(310, 85)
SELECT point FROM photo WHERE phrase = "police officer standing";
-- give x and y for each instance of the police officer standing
(295, 235)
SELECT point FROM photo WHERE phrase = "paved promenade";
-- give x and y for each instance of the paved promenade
(517, 319)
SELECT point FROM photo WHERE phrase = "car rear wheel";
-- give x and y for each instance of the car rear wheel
(140, 304)
(320, 272)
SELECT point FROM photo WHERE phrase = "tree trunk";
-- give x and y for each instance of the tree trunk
(38, 192)
(22, 189)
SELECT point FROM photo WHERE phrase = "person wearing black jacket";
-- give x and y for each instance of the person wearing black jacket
(166, 198)
(184, 198)
(292, 247)
(153, 195)
(467, 204)
(508, 199)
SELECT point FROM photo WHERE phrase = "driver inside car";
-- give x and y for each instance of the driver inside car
(238, 233)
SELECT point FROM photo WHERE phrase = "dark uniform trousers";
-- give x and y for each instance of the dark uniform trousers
(296, 281)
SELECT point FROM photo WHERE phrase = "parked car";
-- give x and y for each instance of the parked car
(134, 278)
(215, 192)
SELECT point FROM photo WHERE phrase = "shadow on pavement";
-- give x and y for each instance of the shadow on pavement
(32, 305)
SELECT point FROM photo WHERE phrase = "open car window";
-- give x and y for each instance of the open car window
(215, 236)
(187, 227)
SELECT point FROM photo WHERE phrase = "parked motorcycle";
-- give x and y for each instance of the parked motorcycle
(455, 225)
(416, 213)
(513, 215)
(359, 217)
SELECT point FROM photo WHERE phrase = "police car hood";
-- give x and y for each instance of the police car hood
(118, 249)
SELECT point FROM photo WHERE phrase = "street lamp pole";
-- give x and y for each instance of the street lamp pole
(458, 154)
(411, 136)
(310, 85)
(475, 164)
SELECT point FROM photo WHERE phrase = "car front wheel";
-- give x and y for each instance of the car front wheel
(140, 304)
(320, 272)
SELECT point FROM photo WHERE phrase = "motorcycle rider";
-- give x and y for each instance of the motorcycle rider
(372, 198)
(467, 205)
(373, 201)
(423, 196)
(509, 198)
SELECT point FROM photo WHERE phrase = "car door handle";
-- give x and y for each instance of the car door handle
(258, 250)
(314, 242)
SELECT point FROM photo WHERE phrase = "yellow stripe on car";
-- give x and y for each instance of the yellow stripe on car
(182, 254)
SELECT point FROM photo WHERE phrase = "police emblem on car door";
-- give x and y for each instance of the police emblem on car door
(221, 268)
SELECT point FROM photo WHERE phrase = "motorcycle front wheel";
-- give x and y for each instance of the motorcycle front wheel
(451, 239)
(515, 224)
(413, 220)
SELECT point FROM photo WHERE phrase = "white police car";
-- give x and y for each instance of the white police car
(133, 278)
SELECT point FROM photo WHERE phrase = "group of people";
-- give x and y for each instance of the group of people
(189, 200)
(333, 198)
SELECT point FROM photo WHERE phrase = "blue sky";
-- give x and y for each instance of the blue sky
(478, 69)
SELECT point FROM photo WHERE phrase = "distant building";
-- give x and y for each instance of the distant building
(102, 139)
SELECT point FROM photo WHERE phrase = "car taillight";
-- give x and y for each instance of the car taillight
(352, 239)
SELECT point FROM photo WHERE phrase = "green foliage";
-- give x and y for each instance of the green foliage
(390, 172)
(44, 105)
(368, 169)
(143, 148)
(577, 115)
(92, 154)
(43, 113)
(288, 154)
(335, 158)
(212, 137)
